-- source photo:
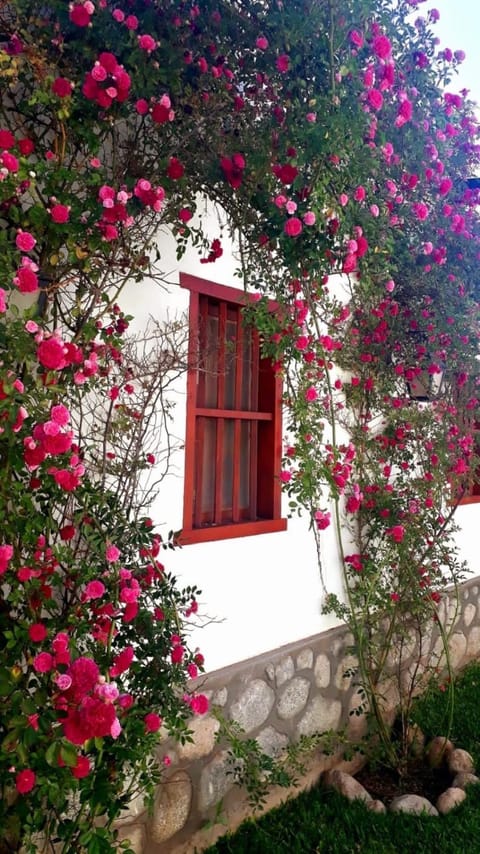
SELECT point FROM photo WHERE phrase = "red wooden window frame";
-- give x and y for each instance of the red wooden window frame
(472, 491)
(234, 422)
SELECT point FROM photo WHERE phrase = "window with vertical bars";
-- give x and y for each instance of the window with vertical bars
(468, 491)
(233, 436)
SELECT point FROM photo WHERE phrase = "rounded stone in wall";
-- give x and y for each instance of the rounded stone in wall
(293, 698)
(272, 742)
(203, 733)
(458, 648)
(254, 705)
(172, 806)
(357, 723)
(321, 714)
(339, 647)
(445, 613)
(345, 672)
(322, 671)
(305, 659)
(215, 781)
(284, 670)
(220, 697)
(473, 642)
(469, 614)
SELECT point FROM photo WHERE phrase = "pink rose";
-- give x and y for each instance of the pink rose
(420, 210)
(60, 414)
(382, 47)
(63, 682)
(6, 554)
(93, 590)
(25, 241)
(356, 38)
(375, 99)
(112, 554)
(283, 63)
(322, 519)
(147, 43)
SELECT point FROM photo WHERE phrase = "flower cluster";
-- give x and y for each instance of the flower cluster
(107, 82)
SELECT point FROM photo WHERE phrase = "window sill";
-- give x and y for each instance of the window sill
(228, 532)
(469, 499)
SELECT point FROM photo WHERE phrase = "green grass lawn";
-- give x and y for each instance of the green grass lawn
(324, 822)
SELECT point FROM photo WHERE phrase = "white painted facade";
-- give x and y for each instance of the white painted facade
(258, 592)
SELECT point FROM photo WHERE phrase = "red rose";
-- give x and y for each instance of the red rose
(25, 781)
(84, 673)
(26, 280)
(50, 354)
(43, 662)
(79, 15)
(283, 63)
(199, 704)
(153, 722)
(97, 717)
(293, 226)
(286, 174)
(37, 632)
(25, 147)
(62, 87)
(175, 169)
(60, 213)
(82, 768)
(7, 139)
(122, 662)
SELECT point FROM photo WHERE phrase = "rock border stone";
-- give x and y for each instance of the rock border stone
(439, 752)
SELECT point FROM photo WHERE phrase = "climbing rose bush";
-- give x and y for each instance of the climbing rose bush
(337, 145)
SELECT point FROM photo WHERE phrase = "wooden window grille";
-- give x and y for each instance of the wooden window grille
(234, 433)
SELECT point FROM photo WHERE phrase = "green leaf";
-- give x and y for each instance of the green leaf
(68, 753)
(52, 753)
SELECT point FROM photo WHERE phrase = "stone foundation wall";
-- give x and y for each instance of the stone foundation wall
(297, 690)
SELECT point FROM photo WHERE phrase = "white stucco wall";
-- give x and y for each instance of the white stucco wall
(259, 592)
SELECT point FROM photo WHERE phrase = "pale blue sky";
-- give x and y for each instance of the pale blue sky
(459, 29)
